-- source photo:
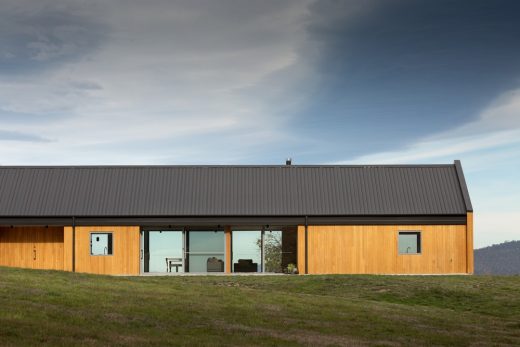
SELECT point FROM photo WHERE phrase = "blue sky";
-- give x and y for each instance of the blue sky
(236, 82)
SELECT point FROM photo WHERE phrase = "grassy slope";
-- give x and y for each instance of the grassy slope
(63, 308)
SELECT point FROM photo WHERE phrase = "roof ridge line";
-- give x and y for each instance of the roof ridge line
(221, 166)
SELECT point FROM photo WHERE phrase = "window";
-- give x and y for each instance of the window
(100, 243)
(247, 251)
(206, 250)
(409, 242)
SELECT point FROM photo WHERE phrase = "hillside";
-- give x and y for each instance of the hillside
(501, 259)
(57, 308)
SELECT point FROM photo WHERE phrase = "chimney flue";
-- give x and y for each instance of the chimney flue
(288, 161)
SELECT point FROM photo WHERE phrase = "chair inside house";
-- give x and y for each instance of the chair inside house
(245, 265)
(173, 262)
(215, 265)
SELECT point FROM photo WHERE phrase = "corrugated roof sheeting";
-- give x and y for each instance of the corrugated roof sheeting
(230, 191)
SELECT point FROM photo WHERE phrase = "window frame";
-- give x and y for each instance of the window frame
(419, 241)
(110, 240)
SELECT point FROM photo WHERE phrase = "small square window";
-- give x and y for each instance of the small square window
(409, 242)
(100, 243)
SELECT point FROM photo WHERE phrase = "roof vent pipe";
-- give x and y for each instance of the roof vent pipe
(288, 161)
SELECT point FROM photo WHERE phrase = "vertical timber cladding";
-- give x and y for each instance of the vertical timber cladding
(300, 243)
(32, 247)
(125, 253)
(228, 250)
(373, 249)
(469, 243)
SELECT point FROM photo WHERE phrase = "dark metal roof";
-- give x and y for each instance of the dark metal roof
(463, 186)
(173, 191)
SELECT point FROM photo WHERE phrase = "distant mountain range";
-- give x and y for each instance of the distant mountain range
(501, 259)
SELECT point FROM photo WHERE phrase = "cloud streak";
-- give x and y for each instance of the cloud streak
(498, 125)
(6, 135)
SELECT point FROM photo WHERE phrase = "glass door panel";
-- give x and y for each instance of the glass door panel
(273, 251)
(163, 251)
(247, 251)
(206, 251)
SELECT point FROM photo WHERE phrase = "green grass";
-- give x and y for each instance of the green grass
(58, 308)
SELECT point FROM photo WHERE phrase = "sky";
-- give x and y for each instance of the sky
(254, 82)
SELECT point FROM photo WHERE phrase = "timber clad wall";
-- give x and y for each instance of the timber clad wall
(67, 248)
(124, 260)
(374, 249)
(347, 249)
(469, 243)
(32, 247)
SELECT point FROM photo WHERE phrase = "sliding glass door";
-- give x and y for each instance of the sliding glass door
(264, 250)
(162, 251)
(247, 251)
(172, 251)
(205, 251)
(272, 251)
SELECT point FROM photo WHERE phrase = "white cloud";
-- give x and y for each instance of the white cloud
(190, 72)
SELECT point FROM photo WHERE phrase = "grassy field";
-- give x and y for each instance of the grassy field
(56, 308)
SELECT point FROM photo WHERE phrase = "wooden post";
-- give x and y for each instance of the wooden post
(301, 250)
(73, 244)
(229, 249)
(67, 248)
(306, 246)
(469, 243)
